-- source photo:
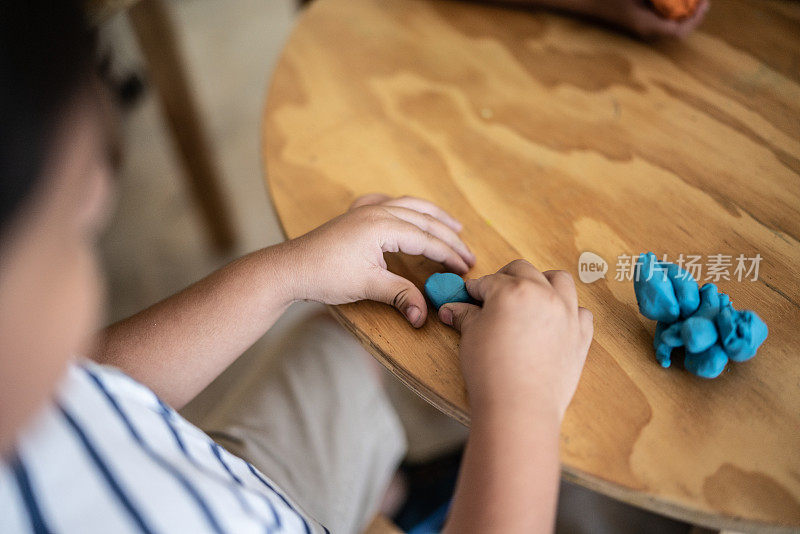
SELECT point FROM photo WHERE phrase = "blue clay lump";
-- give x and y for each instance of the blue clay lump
(740, 332)
(702, 321)
(664, 292)
(442, 288)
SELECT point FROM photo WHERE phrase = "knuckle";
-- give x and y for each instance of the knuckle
(367, 210)
(519, 262)
(563, 276)
(358, 202)
(375, 213)
(552, 300)
(460, 319)
(523, 286)
(400, 298)
(516, 291)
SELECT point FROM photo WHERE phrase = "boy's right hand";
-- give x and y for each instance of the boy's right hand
(525, 348)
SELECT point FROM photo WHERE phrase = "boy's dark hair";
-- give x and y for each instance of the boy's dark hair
(46, 57)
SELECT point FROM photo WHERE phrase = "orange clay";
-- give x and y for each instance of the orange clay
(675, 9)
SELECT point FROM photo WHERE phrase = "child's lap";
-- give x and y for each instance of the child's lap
(319, 425)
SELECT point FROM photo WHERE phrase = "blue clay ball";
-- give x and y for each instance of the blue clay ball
(741, 333)
(442, 288)
(685, 288)
(663, 349)
(672, 335)
(698, 334)
(654, 291)
(710, 300)
(707, 364)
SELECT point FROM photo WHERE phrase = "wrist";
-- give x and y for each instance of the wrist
(518, 409)
(288, 276)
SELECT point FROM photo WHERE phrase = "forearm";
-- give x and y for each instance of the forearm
(178, 346)
(509, 475)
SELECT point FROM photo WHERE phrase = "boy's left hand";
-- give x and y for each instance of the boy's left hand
(342, 260)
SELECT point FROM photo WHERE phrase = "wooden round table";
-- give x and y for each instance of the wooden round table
(548, 137)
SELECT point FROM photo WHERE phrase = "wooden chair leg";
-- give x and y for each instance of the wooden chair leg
(151, 23)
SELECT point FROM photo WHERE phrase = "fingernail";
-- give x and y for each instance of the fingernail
(413, 313)
(446, 315)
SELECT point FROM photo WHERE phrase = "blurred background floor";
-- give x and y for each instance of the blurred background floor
(157, 243)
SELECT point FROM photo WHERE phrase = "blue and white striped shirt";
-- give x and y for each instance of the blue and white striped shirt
(109, 456)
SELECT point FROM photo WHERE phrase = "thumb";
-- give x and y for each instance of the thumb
(400, 293)
(458, 314)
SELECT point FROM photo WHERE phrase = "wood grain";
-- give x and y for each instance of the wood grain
(547, 137)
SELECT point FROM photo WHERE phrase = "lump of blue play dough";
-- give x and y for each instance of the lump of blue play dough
(664, 345)
(740, 332)
(685, 288)
(710, 301)
(442, 288)
(702, 321)
(664, 291)
(707, 364)
(698, 334)
(654, 292)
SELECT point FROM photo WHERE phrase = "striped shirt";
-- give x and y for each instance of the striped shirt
(109, 456)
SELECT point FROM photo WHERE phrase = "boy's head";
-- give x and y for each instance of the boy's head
(54, 190)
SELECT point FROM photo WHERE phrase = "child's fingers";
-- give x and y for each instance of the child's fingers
(408, 238)
(459, 315)
(396, 291)
(688, 25)
(524, 269)
(650, 24)
(434, 226)
(482, 288)
(425, 206)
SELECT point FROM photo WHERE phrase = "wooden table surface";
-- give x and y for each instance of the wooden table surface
(547, 137)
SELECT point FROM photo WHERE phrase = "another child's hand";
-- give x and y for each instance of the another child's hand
(342, 260)
(643, 20)
(525, 348)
